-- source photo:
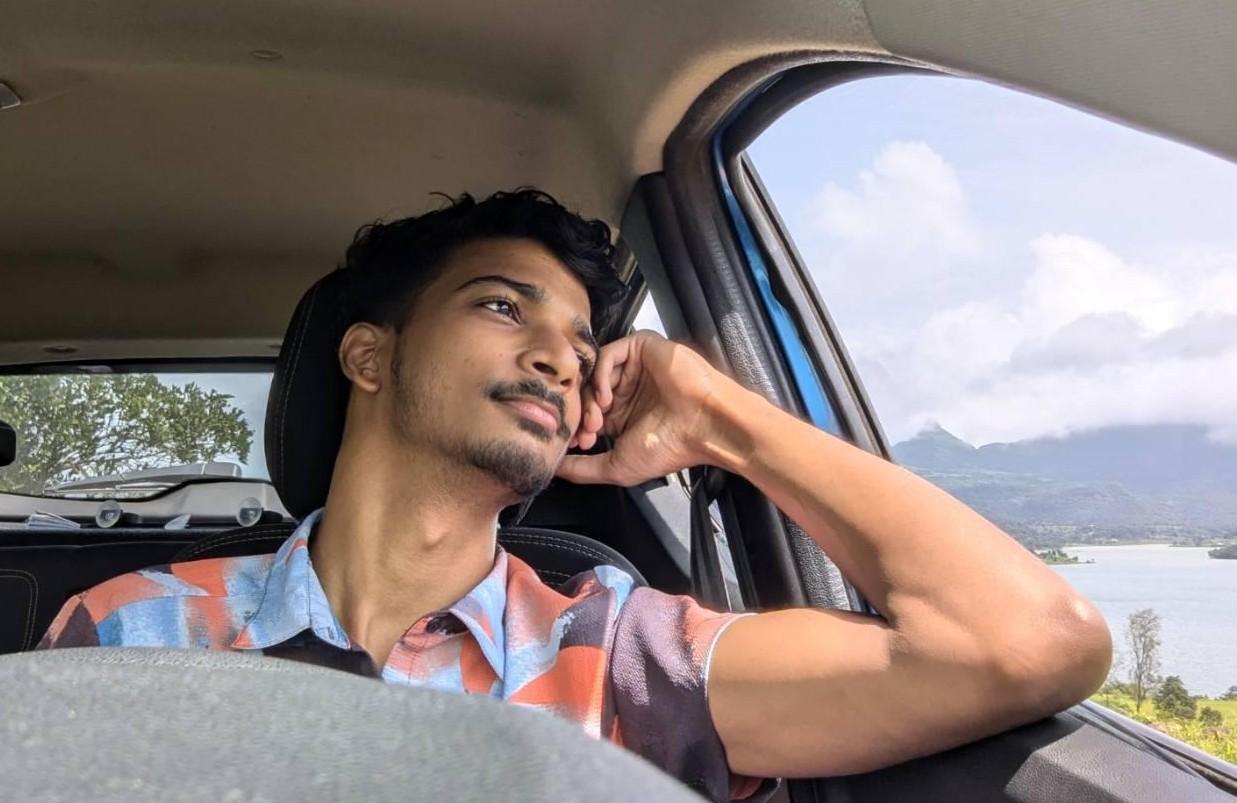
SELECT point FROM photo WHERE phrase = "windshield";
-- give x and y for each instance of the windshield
(100, 433)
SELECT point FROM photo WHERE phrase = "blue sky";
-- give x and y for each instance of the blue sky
(1009, 267)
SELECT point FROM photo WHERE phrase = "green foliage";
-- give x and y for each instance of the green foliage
(1173, 701)
(1231, 694)
(1056, 557)
(1119, 701)
(1220, 742)
(1217, 738)
(74, 426)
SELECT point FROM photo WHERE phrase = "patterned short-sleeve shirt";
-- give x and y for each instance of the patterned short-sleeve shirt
(626, 663)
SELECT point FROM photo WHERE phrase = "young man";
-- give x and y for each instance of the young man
(473, 371)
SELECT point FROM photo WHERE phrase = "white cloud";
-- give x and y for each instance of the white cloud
(909, 203)
(906, 226)
(1004, 341)
(1203, 335)
(1074, 277)
(1089, 341)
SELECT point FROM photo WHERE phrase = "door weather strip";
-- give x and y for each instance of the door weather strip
(807, 381)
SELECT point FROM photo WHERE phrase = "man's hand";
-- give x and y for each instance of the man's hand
(652, 396)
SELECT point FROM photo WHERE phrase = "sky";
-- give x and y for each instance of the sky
(1007, 267)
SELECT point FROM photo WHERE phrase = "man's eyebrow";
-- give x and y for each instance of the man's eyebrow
(530, 291)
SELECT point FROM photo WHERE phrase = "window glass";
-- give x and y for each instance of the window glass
(1042, 306)
(647, 317)
(98, 434)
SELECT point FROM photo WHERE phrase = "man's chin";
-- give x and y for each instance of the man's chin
(516, 466)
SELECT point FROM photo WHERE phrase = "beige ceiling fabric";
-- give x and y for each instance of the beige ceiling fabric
(1164, 67)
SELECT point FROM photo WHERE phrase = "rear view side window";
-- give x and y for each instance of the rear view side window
(98, 433)
(1042, 308)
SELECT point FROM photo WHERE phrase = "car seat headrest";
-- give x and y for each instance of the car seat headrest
(309, 397)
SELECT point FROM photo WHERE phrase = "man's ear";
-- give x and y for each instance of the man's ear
(361, 354)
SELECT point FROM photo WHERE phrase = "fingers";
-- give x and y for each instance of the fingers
(586, 440)
(587, 469)
(591, 422)
(598, 396)
(605, 378)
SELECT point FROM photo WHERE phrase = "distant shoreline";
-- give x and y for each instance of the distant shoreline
(1142, 543)
(1139, 543)
(1057, 556)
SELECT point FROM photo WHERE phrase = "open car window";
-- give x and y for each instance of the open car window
(1041, 307)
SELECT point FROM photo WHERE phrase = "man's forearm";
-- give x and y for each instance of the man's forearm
(932, 566)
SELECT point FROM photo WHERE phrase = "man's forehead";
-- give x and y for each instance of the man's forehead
(524, 261)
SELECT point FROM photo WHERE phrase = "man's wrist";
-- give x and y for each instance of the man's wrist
(732, 413)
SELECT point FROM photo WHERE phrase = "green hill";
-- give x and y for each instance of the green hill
(1119, 485)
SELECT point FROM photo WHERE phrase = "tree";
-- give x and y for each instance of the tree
(74, 426)
(1142, 634)
(1231, 694)
(1210, 717)
(1173, 701)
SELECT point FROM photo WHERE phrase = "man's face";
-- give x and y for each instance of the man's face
(489, 367)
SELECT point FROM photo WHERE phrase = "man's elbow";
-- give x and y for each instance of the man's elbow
(1060, 661)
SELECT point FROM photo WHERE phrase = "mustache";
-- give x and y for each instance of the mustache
(531, 388)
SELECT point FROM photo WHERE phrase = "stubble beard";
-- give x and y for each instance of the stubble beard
(518, 468)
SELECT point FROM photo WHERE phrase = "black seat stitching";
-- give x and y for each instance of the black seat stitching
(579, 549)
(225, 539)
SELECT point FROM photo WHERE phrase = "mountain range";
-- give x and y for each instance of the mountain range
(1116, 484)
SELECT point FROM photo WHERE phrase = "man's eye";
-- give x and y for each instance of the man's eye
(586, 365)
(503, 307)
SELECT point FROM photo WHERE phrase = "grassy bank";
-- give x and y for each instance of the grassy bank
(1219, 741)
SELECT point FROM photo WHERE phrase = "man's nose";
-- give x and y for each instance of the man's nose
(556, 363)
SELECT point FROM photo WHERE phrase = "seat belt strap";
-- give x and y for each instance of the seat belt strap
(708, 587)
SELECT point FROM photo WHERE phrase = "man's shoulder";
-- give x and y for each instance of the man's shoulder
(602, 580)
(210, 577)
(145, 602)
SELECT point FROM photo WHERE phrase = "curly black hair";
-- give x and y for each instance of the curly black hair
(392, 263)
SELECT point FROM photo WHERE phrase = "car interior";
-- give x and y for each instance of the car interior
(178, 180)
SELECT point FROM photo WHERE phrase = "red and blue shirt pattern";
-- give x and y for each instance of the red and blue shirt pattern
(625, 662)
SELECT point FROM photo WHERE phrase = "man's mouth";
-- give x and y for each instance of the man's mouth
(536, 411)
(542, 413)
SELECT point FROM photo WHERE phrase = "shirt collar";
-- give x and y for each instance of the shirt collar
(294, 601)
(483, 609)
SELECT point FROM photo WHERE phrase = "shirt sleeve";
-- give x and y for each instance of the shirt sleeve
(659, 674)
(72, 627)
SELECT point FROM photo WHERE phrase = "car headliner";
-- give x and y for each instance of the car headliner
(165, 192)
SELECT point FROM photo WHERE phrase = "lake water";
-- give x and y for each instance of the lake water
(1195, 596)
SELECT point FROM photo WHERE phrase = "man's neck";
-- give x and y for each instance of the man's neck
(398, 542)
